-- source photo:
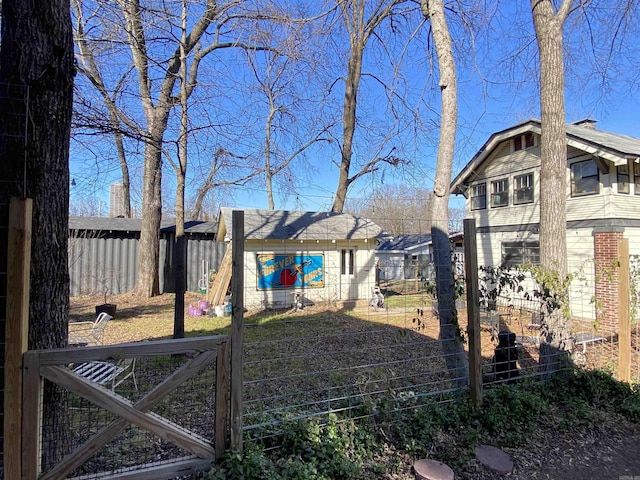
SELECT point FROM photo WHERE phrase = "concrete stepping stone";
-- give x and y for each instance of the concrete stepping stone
(494, 459)
(432, 470)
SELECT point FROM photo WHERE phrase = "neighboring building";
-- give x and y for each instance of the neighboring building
(324, 256)
(403, 257)
(116, 200)
(501, 185)
(103, 254)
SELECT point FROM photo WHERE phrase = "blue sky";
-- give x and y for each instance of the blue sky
(506, 95)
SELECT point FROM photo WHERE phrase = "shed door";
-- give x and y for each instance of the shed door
(348, 285)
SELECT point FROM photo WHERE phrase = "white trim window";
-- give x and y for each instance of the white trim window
(523, 189)
(479, 196)
(524, 141)
(636, 178)
(500, 193)
(585, 179)
(520, 253)
(623, 178)
(347, 262)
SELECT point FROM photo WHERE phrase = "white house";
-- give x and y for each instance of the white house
(501, 184)
(324, 256)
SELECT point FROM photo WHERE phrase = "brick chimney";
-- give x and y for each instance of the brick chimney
(586, 123)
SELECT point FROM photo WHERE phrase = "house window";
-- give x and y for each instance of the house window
(523, 189)
(623, 179)
(500, 193)
(479, 196)
(636, 178)
(520, 253)
(517, 143)
(528, 140)
(584, 178)
(523, 141)
(347, 262)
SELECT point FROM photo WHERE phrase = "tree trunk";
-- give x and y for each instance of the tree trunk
(354, 72)
(553, 224)
(450, 335)
(147, 281)
(36, 71)
(181, 174)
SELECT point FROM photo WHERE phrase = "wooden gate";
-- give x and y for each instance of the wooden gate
(53, 365)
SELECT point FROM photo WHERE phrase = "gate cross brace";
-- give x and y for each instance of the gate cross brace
(128, 413)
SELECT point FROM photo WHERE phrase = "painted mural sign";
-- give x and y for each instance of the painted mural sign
(290, 271)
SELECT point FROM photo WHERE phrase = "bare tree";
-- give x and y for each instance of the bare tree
(450, 334)
(87, 65)
(361, 26)
(181, 175)
(36, 74)
(222, 160)
(292, 124)
(398, 209)
(149, 32)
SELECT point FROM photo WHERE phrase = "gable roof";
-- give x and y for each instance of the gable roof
(295, 225)
(606, 145)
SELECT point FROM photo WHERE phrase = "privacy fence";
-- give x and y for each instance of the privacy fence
(103, 254)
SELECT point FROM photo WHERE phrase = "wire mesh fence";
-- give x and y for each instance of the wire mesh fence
(351, 354)
(334, 326)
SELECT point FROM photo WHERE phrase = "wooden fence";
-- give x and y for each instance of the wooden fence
(53, 366)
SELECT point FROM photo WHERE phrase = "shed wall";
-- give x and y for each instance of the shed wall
(338, 287)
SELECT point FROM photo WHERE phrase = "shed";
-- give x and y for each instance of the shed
(322, 256)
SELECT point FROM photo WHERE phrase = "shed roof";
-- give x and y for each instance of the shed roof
(611, 146)
(296, 225)
(117, 224)
(404, 242)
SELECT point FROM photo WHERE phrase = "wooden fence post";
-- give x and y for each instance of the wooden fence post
(624, 305)
(473, 310)
(222, 400)
(16, 330)
(237, 328)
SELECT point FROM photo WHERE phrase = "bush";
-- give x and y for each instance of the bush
(509, 417)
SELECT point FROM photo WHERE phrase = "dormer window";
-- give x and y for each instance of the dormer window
(584, 178)
(528, 140)
(523, 141)
(479, 196)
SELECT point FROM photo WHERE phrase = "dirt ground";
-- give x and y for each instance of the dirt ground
(608, 449)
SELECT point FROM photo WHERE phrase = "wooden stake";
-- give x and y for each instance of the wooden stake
(16, 329)
(473, 310)
(624, 305)
(237, 329)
